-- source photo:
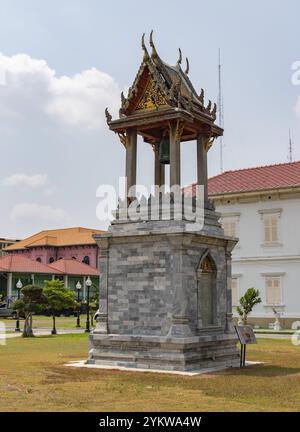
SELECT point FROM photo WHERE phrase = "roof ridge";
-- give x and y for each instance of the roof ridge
(255, 167)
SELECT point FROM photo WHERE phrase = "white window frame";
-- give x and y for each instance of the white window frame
(278, 276)
(232, 218)
(267, 213)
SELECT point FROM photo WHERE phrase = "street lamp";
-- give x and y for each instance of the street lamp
(19, 286)
(88, 284)
(78, 287)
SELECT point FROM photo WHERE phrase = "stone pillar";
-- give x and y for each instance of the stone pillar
(159, 168)
(180, 320)
(131, 146)
(202, 165)
(66, 280)
(229, 324)
(102, 319)
(174, 155)
(9, 285)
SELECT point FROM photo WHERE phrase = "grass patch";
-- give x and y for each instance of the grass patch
(33, 378)
(44, 322)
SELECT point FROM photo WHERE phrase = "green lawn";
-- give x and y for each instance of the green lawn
(33, 378)
(44, 322)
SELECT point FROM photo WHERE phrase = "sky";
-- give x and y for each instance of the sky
(62, 63)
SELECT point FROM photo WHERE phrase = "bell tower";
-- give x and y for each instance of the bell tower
(165, 296)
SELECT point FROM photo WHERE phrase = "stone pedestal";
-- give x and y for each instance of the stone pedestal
(165, 298)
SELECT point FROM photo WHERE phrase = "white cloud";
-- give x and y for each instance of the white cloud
(41, 212)
(29, 86)
(32, 181)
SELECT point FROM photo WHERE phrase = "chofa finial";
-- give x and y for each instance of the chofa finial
(143, 42)
(214, 111)
(108, 116)
(151, 39)
(180, 57)
(154, 52)
(201, 96)
(146, 55)
(187, 66)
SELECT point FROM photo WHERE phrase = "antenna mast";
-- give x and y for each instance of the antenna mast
(290, 147)
(220, 110)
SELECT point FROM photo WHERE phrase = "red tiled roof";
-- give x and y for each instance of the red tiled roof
(75, 268)
(259, 178)
(16, 263)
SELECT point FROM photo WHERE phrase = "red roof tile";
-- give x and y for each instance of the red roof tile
(16, 263)
(258, 178)
(75, 268)
(267, 177)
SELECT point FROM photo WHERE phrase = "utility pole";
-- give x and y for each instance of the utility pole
(220, 109)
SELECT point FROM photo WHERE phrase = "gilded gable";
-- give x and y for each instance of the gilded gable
(152, 98)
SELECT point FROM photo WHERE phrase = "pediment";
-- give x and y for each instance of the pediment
(151, 97)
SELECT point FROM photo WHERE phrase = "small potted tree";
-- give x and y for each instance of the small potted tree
(247, 303)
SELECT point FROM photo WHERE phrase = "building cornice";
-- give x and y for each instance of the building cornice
(291, 192)
(295, 258)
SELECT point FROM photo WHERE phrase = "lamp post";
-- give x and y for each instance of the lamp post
(88, 284)
(19, 286)
(78, 287)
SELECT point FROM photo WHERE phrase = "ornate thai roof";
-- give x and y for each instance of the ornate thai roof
(165, 85)
(160, 89)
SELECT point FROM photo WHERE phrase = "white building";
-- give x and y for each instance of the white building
(261, 206)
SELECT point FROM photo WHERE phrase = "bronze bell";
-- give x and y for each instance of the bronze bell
(164, 150)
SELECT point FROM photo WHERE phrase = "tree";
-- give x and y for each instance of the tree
(32, 301)
(247, 303)
(58, 298)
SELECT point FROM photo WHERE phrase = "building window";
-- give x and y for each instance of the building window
(271, 228)
(235, 291)
(273, 290)
(230, 228)
(51, 260)
(86, 260)
(39, 260)
(230, 223)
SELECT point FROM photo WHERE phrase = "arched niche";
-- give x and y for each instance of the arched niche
(206, 290)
